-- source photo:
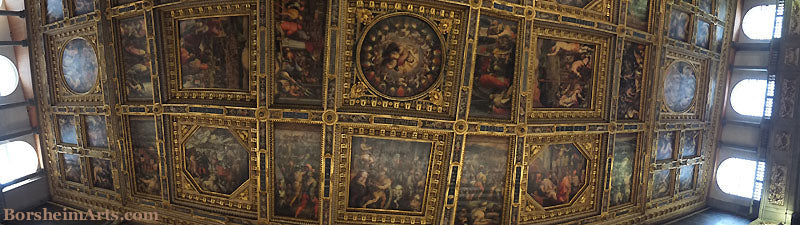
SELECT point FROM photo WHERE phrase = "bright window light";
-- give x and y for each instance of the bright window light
(759, 22)
(737, 176)
(17, 159)
(747, 97)
(9, 79)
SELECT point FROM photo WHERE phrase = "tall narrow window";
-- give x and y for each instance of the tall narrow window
(748, 96)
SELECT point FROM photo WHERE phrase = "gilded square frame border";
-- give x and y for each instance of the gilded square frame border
(243, 201)
(696, 110)
(442, 142)
(597, 10)
(170, 38)
(61, 93)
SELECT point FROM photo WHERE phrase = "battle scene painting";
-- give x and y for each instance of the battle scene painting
(660, 186)
(388, 174)
(401, 56)
(703, 34)
(72, 168)
(679, 26)
(214, 53)
(686, 178)
(132, 36)
(492, 91)
(483, 179)
(666, 145)
(216, 159)
(630, 81)
(101, 173)
(556, 174)
(565, 74)
(638, 14)
(67, 129)
(145, 155)
(575, 3)
(680, 85)
(691, 141)
(297, 170)
(622, 168)
(96, 131)
(300, 40)
(79, 65)
(83, 6)
(55, 10)
(719, 34)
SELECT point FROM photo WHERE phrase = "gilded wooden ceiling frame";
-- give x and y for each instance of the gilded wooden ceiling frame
(651, 201)
(441, 143)
(601, 73)
(56, 40)
(440, 99)
(700, 66)
(646, 81)
(169, 18)
(242, 201)
(119, 52)
(586, 202)
(637, 176)
(594, 10)
(126, 142)
(270, 151)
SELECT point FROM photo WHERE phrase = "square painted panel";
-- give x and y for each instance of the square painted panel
(666, 145)
(67, 129)
(213, 53)
(96, 131)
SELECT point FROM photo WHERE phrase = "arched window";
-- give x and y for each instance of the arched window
(759, 22)
(737, 177)
(748, 96)
(9, 79)
(17, 159)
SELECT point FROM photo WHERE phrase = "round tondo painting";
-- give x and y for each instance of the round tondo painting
(401, 56)
(680, 86)
(79, 64)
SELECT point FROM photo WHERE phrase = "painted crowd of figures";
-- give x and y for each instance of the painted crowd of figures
(492, 91)
(565, 74)
(300, 39)
(680, 85)
(145, 156)
(480, 199)
(214, 53)
(388, 174)
(556, 174)
(217, 160)
(297, 169)
(622, 168)
(630, 81)
(135, 58)
(79, 65)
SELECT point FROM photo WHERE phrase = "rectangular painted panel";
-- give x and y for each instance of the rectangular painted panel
(299, 56)
(135, 57)
(565, 74)
(630, 81)
(622, 168)
(146, 159)
(483, 179)
(493, 83)
(297, 151)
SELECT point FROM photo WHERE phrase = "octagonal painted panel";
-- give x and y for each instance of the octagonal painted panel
(556, 174)
(216, 160)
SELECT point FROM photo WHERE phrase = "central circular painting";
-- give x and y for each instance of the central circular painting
(680, 86)
(79, 65)
(400, 56)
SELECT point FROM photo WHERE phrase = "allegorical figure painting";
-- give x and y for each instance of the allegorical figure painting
(83, 6)
(297, 170)
(703, 34)
(145, 155)
(690, 140)
(630, 81)
(705, 5)
(96, 131)
(55, 10)
(66, 128)
(679, 26)
(638, 13)
(214, 53)
(565, 74)
(492, 91)
(622, 168)
(720, 34)
(666, 145)
(72, 168)
(388, 174)
(300, 43)
(680, 85)
(216, 160)
(483, 179)
(722, 10)
(135, 58)
(575, 3)
(401, 56)
(79, 65)
(556, 174)
(686, 178)
(660, 186)
(101, 173)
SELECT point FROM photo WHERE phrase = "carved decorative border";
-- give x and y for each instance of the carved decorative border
(56, 40)
(697, 108)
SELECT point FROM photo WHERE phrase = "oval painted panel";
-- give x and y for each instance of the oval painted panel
(401, 56)
(79, 65)
(680, 86)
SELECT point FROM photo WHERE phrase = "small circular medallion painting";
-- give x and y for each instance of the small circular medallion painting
(79, 65)
(680, 86)
(400, 56)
